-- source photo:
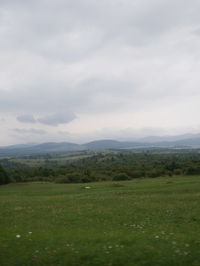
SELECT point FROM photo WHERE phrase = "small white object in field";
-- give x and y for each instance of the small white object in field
(30, 232)
(87, 187)
(18, 236)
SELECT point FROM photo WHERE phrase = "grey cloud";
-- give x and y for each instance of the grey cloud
(69, 30)
(56, 119)
(29, 131)
(51, 120)
(96, 57)
(26, 118)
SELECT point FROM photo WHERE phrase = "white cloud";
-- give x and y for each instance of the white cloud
(113, 64)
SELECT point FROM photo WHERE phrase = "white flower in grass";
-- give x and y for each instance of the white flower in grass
(18, 236)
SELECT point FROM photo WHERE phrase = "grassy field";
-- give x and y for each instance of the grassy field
(141, 222)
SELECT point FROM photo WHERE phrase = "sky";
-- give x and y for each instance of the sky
(87, 69)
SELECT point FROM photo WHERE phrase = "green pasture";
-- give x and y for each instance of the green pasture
(140, 222)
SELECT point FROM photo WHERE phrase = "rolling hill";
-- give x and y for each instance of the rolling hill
(106, 144)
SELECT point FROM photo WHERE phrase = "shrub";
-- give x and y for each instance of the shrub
(61, 180)
(154, 173)
(74, 178)
(69, 178)
(121, 177)
(4, 178)
(137, 174)
(193, 170)
(177, 172)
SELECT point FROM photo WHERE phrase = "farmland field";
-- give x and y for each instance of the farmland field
(140, 222)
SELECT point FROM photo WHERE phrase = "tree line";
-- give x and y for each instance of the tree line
(106, 167)
(4, 177)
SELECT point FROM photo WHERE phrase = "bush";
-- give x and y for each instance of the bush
(177, 172)
(4, 178)
(61, 180)
(69, 178)
(154, 173)
(193, 170)
(121, 177)
(137, 174)
(74, 178)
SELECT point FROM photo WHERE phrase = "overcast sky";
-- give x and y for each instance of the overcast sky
(89, 69)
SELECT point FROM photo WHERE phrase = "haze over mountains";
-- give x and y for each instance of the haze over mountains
(152, 139)
(181, 141)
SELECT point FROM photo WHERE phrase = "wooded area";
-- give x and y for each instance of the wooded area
(104, 166)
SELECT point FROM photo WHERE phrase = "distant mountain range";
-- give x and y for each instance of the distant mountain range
(174, 142)
(49, 147)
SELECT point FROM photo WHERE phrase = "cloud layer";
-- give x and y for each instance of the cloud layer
(83, 66)
(51, 119)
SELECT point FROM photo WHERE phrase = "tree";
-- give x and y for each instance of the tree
(4, 178)
(121, 177)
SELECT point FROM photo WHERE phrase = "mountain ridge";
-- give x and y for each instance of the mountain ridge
(103, 144)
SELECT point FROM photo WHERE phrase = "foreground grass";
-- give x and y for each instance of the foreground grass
(140, 222)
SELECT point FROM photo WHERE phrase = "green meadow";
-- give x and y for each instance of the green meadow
(140, 222)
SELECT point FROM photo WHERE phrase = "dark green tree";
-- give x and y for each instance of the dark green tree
(4, 178)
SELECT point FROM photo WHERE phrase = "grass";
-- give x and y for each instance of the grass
(141, 222)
